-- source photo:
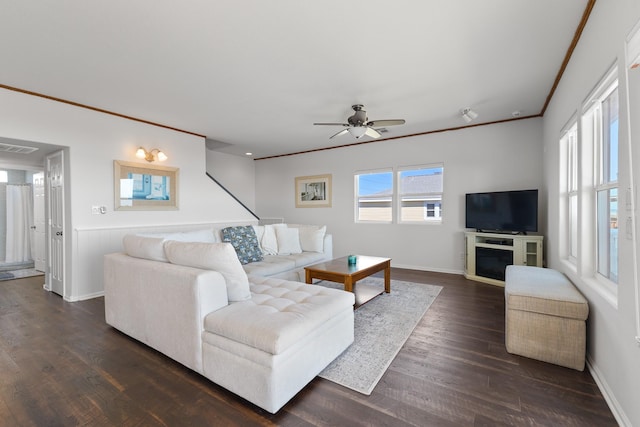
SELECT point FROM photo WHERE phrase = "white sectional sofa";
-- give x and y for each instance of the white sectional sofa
(286, 248)
(263, 338)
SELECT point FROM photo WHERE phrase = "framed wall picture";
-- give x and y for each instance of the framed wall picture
(142, 187)
(313, 191)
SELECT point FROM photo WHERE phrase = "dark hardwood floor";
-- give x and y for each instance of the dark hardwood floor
(61, 365)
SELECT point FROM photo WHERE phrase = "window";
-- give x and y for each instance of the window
(600, 123)
(569, 143)
(374, 196)
(420, 194)
(4, 177)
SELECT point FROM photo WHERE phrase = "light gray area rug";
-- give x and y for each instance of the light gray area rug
(382, 326)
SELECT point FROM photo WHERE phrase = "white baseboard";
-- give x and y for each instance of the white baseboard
(609, 397)
(423, 268)
(84, 297)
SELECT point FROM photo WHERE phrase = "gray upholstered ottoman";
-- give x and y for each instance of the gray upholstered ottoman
(545, 316)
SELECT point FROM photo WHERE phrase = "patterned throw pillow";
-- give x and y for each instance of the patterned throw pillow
(244, 241)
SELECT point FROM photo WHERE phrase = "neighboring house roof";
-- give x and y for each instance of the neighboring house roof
(420, 184)
(417, 184)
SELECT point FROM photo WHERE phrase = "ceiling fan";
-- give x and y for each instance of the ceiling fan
(358, 124)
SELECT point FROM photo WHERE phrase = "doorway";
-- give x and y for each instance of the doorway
(28, 162)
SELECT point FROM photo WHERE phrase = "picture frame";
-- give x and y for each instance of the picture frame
(142, 187)
(313, 191)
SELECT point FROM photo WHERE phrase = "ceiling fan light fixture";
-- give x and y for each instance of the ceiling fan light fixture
(357, 131)
(358, 125)
(468, 114)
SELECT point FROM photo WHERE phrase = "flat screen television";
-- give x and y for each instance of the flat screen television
(503, 211)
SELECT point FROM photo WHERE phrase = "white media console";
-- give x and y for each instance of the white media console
(488, 254)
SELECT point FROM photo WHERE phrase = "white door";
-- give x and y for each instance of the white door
(55, 255)
(39, 231)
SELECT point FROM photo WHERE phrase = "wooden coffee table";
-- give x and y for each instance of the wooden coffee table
(338, 270)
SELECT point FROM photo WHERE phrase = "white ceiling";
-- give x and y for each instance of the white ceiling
(257, 74)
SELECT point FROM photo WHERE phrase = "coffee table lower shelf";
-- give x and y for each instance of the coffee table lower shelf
(365, 293)
(338, 270)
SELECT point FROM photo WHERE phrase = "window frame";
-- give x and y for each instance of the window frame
(592, 137)
(356, 182)
(569, 142)
(426, 197)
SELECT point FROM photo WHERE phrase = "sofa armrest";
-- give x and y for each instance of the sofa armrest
(162, 305)
(328, 246)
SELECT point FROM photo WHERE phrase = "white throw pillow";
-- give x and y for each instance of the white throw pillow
(269, 242)
(151, 248)
(288, 241)
(312, 238)
(220, 257)
(259, 229)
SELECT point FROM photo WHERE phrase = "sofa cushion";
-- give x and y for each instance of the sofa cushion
(269, 240)
(206, 235)
(270, 265)
(259, 229)
(220, 257)
(244, 241)
(279, 314)
(151, 248)
(312, 238)
(288, 241)
(305, 258)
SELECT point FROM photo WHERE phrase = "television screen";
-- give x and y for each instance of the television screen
(513, 211)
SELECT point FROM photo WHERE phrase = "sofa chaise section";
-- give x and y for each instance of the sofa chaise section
(268, 348)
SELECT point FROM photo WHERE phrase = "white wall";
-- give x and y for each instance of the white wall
(95, 140)
(613, 354)
(498, 157)
(236, 174)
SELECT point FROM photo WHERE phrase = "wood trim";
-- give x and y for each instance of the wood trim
(567, 57)
(398, 137)
(99, 110)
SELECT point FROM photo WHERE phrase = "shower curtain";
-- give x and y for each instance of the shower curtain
(19, 222)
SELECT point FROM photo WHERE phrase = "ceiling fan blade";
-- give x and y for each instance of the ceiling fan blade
(342, 132)
(332, 124)
(372, 132)
(383, 123)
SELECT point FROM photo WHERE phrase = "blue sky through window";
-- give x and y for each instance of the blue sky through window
(374, 183)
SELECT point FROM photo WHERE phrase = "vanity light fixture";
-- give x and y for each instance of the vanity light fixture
(151, 155)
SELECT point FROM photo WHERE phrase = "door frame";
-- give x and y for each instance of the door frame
(64, 292)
